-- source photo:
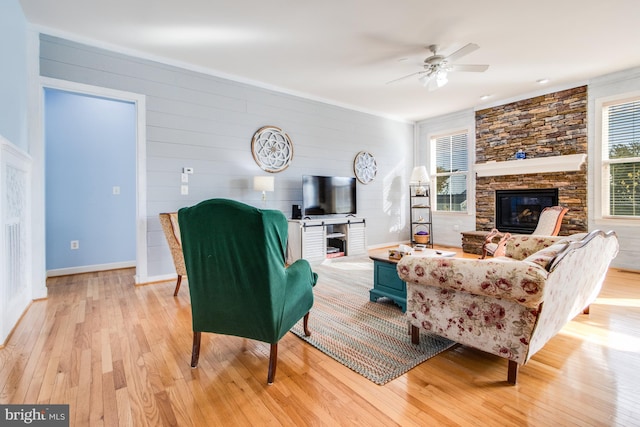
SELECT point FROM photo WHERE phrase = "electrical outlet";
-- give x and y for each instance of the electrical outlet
(456, 227)
(116, 190)
(184, 190)
(75, 244)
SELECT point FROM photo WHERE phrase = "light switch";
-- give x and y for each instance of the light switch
(187, 170)
(184, 177)
(116, 190)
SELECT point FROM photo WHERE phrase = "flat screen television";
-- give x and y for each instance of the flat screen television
(328, 195)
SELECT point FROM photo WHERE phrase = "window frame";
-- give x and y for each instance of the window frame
(602, 162)
(434, 174)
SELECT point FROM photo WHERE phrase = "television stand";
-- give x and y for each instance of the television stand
(310, 238)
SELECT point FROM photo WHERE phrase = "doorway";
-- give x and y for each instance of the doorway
(94, 197)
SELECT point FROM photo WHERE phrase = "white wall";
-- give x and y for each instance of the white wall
(16, 283)
(447, 226)
(206, 122)
(617, 85)
(13, 73)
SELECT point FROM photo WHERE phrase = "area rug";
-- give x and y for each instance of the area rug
(371, 338)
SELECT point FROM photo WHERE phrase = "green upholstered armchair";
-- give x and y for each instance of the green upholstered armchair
(238, 282)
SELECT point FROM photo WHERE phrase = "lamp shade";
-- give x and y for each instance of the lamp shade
(420, 175)
(263, 183)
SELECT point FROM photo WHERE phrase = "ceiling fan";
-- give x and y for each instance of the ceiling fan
(436, 67)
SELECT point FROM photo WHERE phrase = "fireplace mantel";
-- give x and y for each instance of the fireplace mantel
(567, 163)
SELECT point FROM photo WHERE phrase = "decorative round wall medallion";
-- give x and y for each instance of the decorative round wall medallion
(272, 149)
(365, 167)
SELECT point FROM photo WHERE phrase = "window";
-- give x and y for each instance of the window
(451, 161)
(621, 158)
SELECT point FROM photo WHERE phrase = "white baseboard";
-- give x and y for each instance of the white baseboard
(90, 268)
(159, 278)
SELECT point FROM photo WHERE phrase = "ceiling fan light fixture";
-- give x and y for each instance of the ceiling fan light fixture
(441, 78)
(435, 68)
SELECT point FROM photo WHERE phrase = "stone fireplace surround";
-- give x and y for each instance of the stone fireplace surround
(552, 131)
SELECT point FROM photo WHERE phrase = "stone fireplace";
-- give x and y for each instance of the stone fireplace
(548, 129)
(518, 211)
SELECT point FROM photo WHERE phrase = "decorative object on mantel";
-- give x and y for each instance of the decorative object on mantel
(420, 176)
(521, 155)
(272, 149)
(365, 167)
(565, 163)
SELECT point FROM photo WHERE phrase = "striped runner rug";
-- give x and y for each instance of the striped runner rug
(371, 338)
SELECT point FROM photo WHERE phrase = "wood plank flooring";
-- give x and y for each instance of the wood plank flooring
(119, 355)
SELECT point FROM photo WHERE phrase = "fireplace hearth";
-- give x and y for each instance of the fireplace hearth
(518, 211)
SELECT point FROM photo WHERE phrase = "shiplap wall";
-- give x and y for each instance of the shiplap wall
(616, 86)
(206, 122)
(447, 226)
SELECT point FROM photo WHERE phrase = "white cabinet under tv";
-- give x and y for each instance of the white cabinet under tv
(318, 239)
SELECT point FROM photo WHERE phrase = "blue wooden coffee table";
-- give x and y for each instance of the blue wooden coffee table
(386, 282)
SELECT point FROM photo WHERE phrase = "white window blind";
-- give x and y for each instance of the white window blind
(621, 158)
(451, 158)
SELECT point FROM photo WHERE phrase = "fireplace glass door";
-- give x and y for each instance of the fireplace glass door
(518, 211)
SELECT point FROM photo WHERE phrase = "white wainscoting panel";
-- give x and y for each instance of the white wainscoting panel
(15, 205)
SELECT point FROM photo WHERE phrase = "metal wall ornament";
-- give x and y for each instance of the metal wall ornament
(272, 149)
(365, 167)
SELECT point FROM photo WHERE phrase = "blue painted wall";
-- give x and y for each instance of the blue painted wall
(90, 147)
(13, 73)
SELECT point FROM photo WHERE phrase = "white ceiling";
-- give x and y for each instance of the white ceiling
(345, 51)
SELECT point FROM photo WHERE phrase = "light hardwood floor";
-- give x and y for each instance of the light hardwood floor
(119, 355)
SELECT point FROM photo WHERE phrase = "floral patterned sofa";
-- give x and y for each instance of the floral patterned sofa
(511, 305)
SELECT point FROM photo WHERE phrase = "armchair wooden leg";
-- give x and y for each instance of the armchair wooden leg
(305, 324)
(195, 352)
(415, 334)
(513, 372)
(175, 293)
(273, 362)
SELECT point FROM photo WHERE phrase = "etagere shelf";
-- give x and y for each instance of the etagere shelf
(420, 215)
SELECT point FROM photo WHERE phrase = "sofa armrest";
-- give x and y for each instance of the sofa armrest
(519, 281)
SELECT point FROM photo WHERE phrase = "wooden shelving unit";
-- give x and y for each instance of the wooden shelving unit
(420, 213)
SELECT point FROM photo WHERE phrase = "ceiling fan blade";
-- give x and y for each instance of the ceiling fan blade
(465, 50)
(468, 67)
(405, 77)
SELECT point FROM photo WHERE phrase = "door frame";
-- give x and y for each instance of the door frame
(139, 100)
